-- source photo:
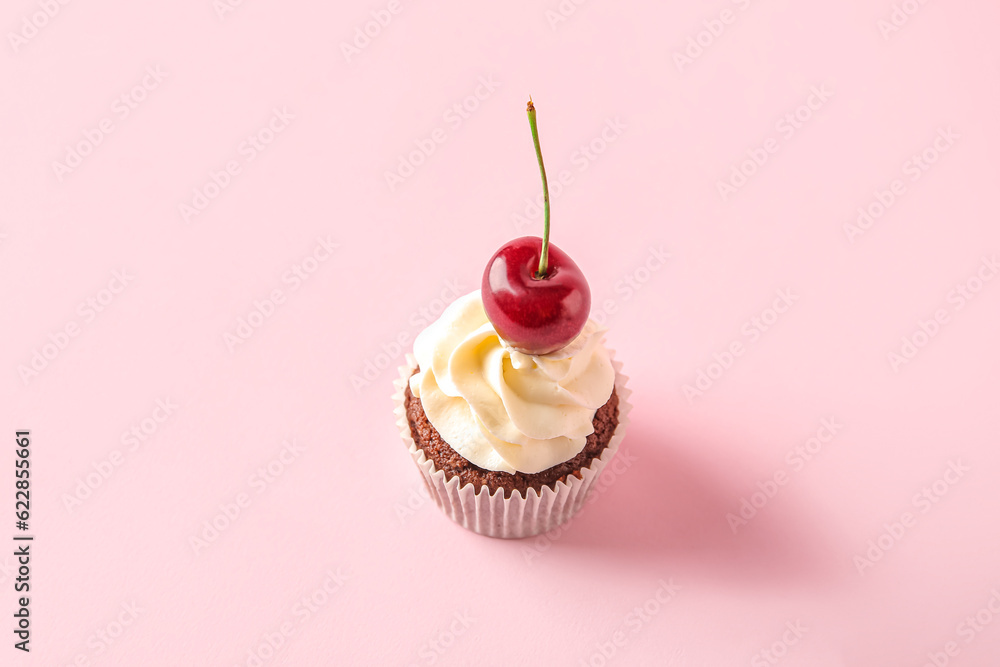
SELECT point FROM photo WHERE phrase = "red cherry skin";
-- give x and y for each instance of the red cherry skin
(535, 315)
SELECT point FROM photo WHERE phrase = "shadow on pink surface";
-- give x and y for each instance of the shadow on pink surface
(675, 507)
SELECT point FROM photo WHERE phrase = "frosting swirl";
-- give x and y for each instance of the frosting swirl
(505, 410)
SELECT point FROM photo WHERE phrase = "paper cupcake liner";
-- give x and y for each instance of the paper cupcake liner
(518, 516)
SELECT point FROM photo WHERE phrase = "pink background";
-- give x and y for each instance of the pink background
(407, 586)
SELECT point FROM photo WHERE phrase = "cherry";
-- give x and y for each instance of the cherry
(534, 295)
(535, 315)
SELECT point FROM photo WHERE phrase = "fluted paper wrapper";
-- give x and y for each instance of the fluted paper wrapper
(517, 516)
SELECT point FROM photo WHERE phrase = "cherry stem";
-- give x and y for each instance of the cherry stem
(543, 261)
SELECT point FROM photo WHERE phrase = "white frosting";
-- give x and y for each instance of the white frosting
(502, 409)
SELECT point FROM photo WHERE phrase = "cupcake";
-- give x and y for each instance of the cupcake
(511, 405)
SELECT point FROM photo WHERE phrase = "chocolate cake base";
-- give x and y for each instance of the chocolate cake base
(454, 464)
